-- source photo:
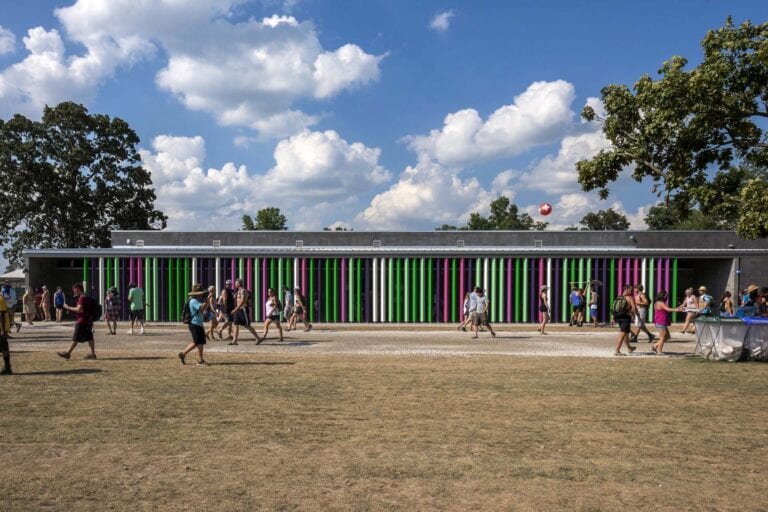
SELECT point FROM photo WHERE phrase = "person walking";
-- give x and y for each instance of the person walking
(662, 318)
(212, 313)
(227, 304)
(544, 310)
(111, 310)
(481, 313)
(45, 304)
(5, 327)
(726, 304)
(577, 305)
(705, 301)
(28, 303)
(242, 312)
(623, 308)
(272, 306)
(299, 311)
(58, 303)
(9, 294)
(136, 306)
(467, 320)
(642, 302)
(593, 297)
(197, 308)
(287, 305)
(84, 313)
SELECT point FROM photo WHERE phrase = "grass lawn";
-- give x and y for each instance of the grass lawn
(266, 432)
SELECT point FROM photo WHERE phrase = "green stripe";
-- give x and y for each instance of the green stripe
(525, 288)
(423, 288)
(674, 287)
(336, 284)
(431, 294)
(588, 315)
(414, 295)
(311, 290)
(155, 291)
(502, 289)
(564, 293)
(399, 288)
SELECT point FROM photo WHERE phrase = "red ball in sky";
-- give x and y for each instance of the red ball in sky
(545, 208)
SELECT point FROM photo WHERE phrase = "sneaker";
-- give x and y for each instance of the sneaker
(651, 338)
(6, 371)
(90, 356)
(65, 355)
(18, 327)
(202, 363)
(181, 357)
(632, 349)
(130, 331)
(619, 354)
(141, 331)
(259, 340)
(232, 343)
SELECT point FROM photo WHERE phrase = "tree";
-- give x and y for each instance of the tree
(266, 219)
(69, 179)
(689, 131)
(504, 216)
(605, 220)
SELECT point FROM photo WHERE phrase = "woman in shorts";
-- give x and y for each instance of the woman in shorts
(544, 311)
(197, 308)
(662, 317)
(111, 307)
(691, 307)
(467, 317)
(211, 315)
(272, 306)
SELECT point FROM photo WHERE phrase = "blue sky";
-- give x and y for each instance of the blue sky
(367, 114)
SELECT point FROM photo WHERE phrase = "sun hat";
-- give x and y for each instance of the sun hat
(752, 288)
(197, 289)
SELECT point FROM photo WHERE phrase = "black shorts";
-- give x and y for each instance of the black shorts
(241, 318)
(83, 333)
(198, 334)
(576, 309)
(624, 323)
(59, 306)
(275, 318)
(543, 309)
(137, 314)
(299, 310)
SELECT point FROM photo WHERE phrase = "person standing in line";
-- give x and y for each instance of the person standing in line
(623, 309)
(227, 304)
(83, 311)
(9, 294)
(726, 304)
(705, 301)
(28, 302)
(136, 302)
(642, 302)
(5, 327)
(593, 298)
(662, 317)
(242, 312)
(111, 308)
(197, 308)
(576, 303)
(287, 306)
(299, 310)
(273, 314)
(58, 303)
(45, 304)
(467, 317)
(544, 310)
(481, 313)
(691, 308)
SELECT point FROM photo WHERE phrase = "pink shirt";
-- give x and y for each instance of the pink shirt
(662, 317)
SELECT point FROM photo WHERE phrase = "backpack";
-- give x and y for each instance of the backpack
(93, 308)
(186, 313)
(620, 306)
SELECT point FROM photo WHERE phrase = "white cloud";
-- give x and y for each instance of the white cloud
(441, 22)
(540, 115)
(7, 41)
(247, 73)
(316, 180)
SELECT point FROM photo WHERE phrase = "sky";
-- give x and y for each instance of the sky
(370, 115)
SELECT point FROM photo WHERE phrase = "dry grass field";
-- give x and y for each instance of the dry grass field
(135, 430)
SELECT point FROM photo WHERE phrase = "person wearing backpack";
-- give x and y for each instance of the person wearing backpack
(84, 310)
(227, 304)
(623, 308)
(193, 316)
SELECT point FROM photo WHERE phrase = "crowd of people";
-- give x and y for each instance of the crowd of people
(232, 309)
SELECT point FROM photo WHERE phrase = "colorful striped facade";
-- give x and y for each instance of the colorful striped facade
(386, 289)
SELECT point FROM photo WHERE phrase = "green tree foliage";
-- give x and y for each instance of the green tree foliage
(266, 219)
(690, 131)
(605, 220)
(70, 179)
(504, 216)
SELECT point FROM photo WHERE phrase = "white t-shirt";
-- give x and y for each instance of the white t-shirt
(271, 308)
(482, 303)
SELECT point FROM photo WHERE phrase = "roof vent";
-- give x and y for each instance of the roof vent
(377, 244)
(299, 243)
(139, 243)
(460, 243)
(216, 244)
(538, 244)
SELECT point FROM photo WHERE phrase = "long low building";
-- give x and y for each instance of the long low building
(407, 277)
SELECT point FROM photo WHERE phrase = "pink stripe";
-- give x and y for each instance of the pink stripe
(139, 273)
(461, 288)
(303, 275)
(343, 289)
(234, 270)
(656, 265)
(445, 290)
(263, 297)
(666, 277)
(637, 272)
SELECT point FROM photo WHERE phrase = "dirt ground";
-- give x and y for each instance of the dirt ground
(380, 419)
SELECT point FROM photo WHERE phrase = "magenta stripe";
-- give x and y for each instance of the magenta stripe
(621, 276)
(656, 264)
(534, 306)
(263, 298)
(461, 288)
(304, 276)
(666, 276)
(139, 273)
(637, 272)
